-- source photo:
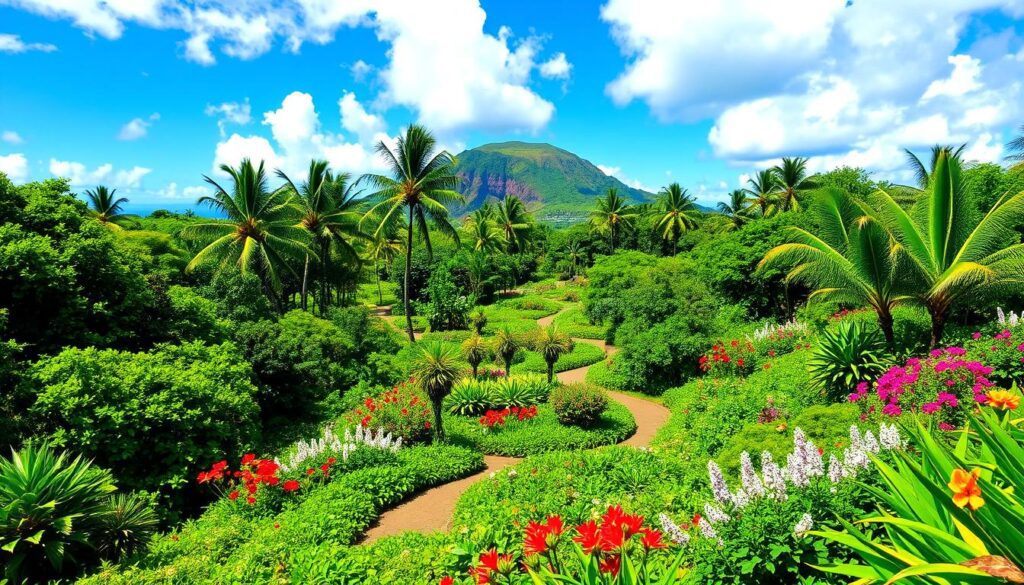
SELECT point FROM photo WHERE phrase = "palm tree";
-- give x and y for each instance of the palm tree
(475, 350)
(506, 345)
(575, 254)
(850, 258)
(735, 210)
(382, 248)
(259, 233)
(923, 174)
(422, 182)
(677, 214)
(1016, 150)
(761, 193)
(791, 177)
(330, 213)
(436, 369)
(106, 209)
(514, 221)
(612, 214)
(481, 230)
(552, 344)
(953, 253)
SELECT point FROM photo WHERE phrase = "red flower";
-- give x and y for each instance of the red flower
(426, 424)
(651, 539)
(535, 539)
(696, 519)
(446, 580)
(203, 477)
(248, 458)
(331, 460)
(588, 536)
(277, 524)
(290, 486)
(489, 559)
(366, 421)
(250, 500)
(233, 495)
(610, 564)
(310, 471)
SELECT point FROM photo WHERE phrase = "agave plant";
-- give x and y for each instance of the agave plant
(126, 527)
(469, 397)
(50, 511)
(845, 356)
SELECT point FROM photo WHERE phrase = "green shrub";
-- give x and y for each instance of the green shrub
(448, 308)
(518, 390)
(583, 354)
(152, 417)
(194, 317)
(604, 374)
(574, 323)
(469, 398)
(845, 356)
(578, 404)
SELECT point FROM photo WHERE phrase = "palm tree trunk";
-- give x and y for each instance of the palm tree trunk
(380, 294)
(408, 276)
(438, 426)
(885, 323)
(324, 249)
(305, 283)
(551, 372)
(938, 314)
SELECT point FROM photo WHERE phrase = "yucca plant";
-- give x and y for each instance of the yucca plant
(50, 511)
(475, 350)
(952, 513)
(552, 344)
(845, 356)
(509, 392)
(470, 397)
(506, 345)
(126, 527)
(436, 369)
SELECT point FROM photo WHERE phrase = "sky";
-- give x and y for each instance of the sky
(147, 96)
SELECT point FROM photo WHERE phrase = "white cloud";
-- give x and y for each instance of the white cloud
(15, 166)
(196, 191)
(11, 137)
(80, 176)
(558, 67)
(298, 138)
(137, 128)
(230, 113)
(14, 44)
(616, 172)
(823, 84)
(987, 148)
(360, 71)
(610, 171)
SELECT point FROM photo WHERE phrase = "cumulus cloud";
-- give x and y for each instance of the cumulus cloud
(137, 128)
(613, 171)
(81, 176)
(299, 137)
(557, 67)
(15, 166)
(230, 113)
(825, 84)
(360, 71)
(11, 137)
(14, 44)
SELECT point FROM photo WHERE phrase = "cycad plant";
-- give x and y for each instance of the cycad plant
(506, 345)
(260, 233)
(50, 510)
(126, 527)
(422, 184)
(436, 369)
(107, 209)
(850, 257)
(475, 351)
(676, 213)
(953, 253)
(552, 344)
(846, 356)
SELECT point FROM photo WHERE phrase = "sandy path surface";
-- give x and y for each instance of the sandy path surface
(433, 509)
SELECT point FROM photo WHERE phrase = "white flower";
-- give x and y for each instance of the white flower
(835, 469)
(870, 443)
(714, 514)
(512, 472)
(774, 478)
(802, 527)
(718, 486)
(889, 436)
(672, 530)
(751, 482)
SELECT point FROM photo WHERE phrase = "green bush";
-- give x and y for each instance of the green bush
(845, 356)
(578, 404)
(583, 354)
(543, 433)
(604, 374)
(448, 307)
(150, 417)
(574, 323)
(194, 317)
(474, 397)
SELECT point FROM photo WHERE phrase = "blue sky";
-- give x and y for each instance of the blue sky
(148, 95)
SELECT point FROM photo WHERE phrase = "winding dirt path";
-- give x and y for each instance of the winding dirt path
(433, 509)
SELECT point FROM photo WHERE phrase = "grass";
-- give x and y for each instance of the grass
(367, 293)
(584, 354)
(541, 434)
(574, 323)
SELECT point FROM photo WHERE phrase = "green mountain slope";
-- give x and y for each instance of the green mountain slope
(561, 185)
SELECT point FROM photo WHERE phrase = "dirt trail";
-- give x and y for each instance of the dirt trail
(432, 510)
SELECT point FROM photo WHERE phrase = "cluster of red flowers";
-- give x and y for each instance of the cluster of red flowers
(494, 418)
(325, 469)
(733, 357)
(251, 474)
(606, 540)
(845, 313)
(402, 411)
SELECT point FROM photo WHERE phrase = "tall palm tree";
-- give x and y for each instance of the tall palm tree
(1016, 150)
(481, 231)
(677, 214)
(422, 183)
(515, 223)
(849, 258)
(761, 194)
(953, 253)
(106, 209)
(792, 180)
(552, 344)
(612, 215)
(330, 213)
(923, 174)
(436, 369)
(260, 232)
(735, 210)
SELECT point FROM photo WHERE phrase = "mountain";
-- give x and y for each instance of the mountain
(562, 185)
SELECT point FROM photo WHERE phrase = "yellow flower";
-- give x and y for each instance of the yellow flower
(966, 491)
(1003, 399)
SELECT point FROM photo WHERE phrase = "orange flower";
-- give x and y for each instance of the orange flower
(966, 491)
(1003, 399)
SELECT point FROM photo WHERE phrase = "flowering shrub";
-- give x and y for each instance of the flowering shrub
(772, 340)
(330, 443)
(578, 404)
(1003, 352)
(597, 551)
(252, 475)
(402, 412)
(496, 418)
(844, 313)
(735, 357)
(944, 384)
